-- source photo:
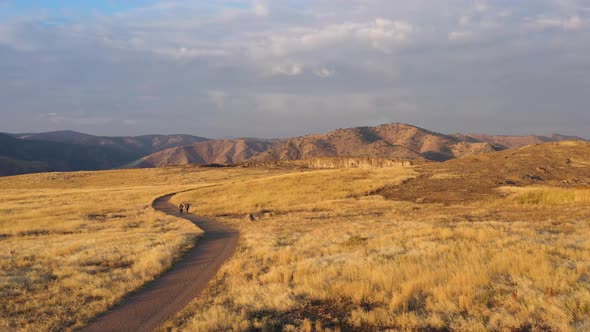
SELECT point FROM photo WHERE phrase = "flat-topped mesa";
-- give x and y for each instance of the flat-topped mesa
(335, 162)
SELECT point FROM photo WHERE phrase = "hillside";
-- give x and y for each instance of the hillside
(393, 141)
(208, 152)
(19, 156)
(562, 164)
(515, 141)
(138, 145)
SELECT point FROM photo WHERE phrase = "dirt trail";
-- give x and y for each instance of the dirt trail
(158, 301)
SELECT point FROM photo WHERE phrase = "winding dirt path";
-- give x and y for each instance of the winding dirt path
(152, 305)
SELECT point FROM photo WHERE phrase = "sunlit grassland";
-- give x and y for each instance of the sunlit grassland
(328, 259)
(73, 244)
(323, 256)
(550, 196)
(290, 192)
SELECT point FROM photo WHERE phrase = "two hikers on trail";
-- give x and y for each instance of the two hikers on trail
(185, 206)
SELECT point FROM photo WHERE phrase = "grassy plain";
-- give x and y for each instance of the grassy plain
(325, 257)
(73, 244)
(327, 252)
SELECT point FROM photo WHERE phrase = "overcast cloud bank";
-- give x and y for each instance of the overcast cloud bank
(283, 68)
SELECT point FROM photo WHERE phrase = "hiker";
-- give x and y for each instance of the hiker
(187, 206)
(180, 208)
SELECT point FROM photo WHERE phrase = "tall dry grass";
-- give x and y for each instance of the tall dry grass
(66, 256)
(295, 190)
(73, 244)
(550, 196)
(324, 256)
(329, 261)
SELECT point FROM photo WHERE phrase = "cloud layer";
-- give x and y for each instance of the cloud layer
(281, 68)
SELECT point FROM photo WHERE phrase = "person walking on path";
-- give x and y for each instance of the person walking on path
(187, 206)
(180, 208)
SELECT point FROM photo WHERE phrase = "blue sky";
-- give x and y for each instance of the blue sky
(292, 67)
(59, 8)
(71, 9)
(107, 7)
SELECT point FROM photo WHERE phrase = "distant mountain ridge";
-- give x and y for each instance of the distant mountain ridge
(140, 145)
(70, 150)
(73, 151)
(395, 141)
(514, 141)
(18, 156)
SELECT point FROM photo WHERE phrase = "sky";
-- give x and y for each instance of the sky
(281, 68)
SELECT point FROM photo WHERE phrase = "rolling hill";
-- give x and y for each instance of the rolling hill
(392, 141)
(563, 164)
(19, 156)
(513, 141)
(138, 145)
(208, 152)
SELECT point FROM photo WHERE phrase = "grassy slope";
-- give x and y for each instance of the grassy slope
(325, 260)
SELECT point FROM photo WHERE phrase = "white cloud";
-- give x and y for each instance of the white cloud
(324, 72)
(218, 98)
(199, 57)
(188, 53)
(464, 20)
(381, 34)
(75, 118)
(481, 7)
(460, 35)
(10, 36)
(260, 8)
(288, 70)
(570, 23)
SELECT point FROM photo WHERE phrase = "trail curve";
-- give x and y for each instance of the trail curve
(155, 303)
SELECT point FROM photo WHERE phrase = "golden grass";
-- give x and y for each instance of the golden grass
(328, 260)
(290, 192)
(551, 196)
(73, 244)
(323, 256)
(67, 255)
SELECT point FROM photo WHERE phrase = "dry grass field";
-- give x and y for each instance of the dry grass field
(73, 244)
(325, 257)
(331, 250)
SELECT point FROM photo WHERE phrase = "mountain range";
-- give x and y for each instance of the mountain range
(18, 156)
(71, 151)
(139, 145)
(390, 141)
